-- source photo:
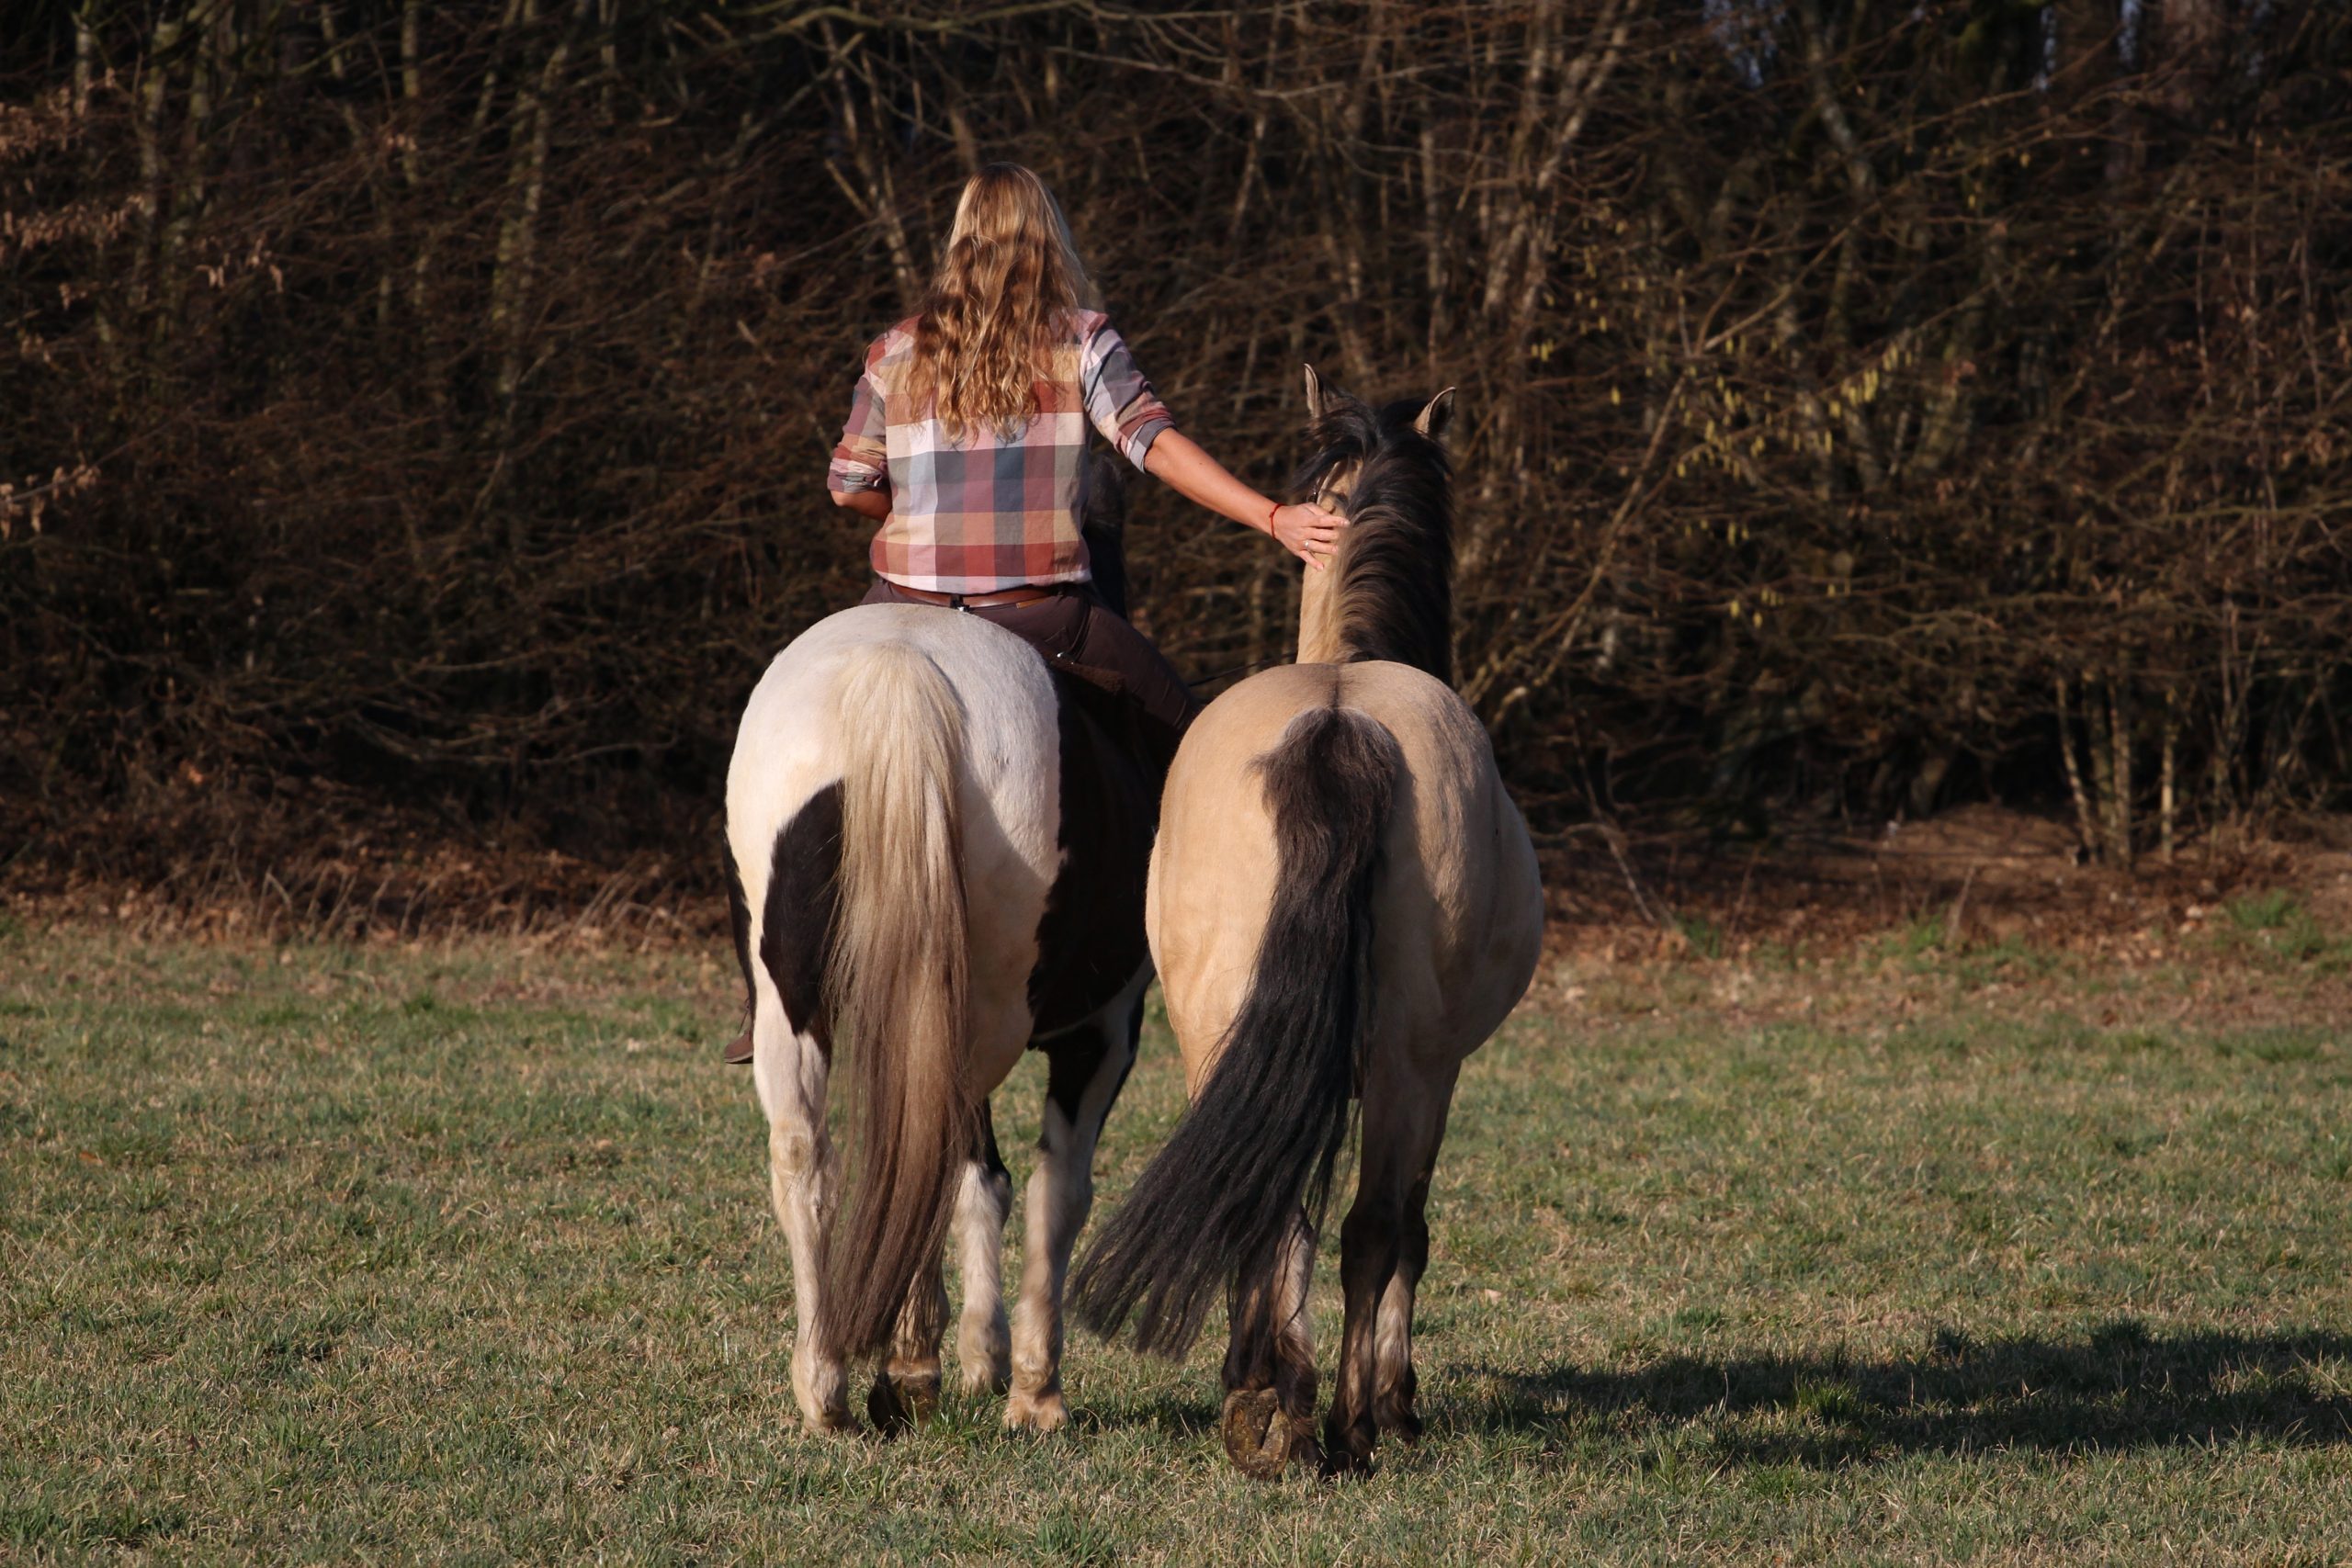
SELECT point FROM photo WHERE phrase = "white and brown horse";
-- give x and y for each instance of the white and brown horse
(936, 857)
(1343, 905)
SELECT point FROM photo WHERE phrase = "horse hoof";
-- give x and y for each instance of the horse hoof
(1348, 1450)
(886, 1409)
(1038, 1413)
(1261, 1441)
(827, 1416)
(1248, 1420)
(897, 1405)
(985, 1358)
(1397, 1420)
(821, 1393)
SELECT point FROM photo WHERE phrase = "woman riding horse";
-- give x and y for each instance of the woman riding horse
(965, 438)
(936, 849)
(967, 435)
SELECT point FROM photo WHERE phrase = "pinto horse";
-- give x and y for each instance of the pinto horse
(1343, 905)
(936, 850)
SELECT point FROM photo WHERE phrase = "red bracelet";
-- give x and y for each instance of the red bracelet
(1270, 518)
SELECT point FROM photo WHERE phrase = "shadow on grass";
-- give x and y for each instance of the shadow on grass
(2120, 1387)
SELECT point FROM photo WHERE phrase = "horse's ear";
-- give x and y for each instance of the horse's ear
(1314, 395)
(1435, 415)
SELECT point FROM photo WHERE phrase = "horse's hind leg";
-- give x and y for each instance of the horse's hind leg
(1270, 1367)
(1393, 1384)
(1404, 1120)
(983, 1344)
(906, 1385)
(790, 1071)
(1086, 1066)
(793, 897)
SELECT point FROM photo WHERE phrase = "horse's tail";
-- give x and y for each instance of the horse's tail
(1265, 1132)
(896, 980)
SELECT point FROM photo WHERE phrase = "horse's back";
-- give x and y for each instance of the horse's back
(804, 721)
(1459, 919)
(788, 744)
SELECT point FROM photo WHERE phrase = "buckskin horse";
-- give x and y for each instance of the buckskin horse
(1343, 905)
(936, 849)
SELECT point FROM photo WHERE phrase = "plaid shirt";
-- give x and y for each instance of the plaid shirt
(991, 512)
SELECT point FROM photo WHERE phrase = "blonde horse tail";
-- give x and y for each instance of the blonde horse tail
(1263, 1136)
(896, 981)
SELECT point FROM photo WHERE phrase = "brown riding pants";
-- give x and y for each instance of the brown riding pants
(1076, 626)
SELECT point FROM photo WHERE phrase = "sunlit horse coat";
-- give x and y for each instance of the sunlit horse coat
(1343, 903)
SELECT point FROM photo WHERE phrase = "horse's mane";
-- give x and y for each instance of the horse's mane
(1395, 560)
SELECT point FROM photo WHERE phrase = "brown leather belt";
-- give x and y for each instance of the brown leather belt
(1027, 594)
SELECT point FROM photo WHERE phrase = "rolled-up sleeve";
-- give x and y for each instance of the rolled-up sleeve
(861, 461)
(1118, 400)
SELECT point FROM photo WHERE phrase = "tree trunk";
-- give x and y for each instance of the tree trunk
(2119, 800)
(2165, 805)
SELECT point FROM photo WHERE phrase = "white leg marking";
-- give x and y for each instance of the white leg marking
(983, 1343)
(1393, 1384)
(790, 1072)
(1060, 1192)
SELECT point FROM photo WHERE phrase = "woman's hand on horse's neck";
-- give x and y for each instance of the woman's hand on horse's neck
(1176, 459)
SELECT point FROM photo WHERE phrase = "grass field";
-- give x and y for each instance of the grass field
(464, 1253)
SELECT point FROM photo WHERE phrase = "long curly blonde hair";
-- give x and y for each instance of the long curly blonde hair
(999, 305)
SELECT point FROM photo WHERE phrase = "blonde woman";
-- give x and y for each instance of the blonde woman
(966, 439)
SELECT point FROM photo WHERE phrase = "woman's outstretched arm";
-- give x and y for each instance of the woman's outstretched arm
(1307, 532)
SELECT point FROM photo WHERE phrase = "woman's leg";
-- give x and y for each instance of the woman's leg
(1108, 642)
(1077, 628)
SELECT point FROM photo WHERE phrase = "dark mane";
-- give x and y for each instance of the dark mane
(1396, 563)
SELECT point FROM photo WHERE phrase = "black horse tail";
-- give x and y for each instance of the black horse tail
(1263, 1137)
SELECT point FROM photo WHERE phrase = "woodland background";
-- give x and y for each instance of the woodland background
(415, 415)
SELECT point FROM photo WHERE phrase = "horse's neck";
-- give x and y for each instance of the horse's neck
(1319, 615)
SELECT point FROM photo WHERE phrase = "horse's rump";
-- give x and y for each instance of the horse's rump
(1264, 1131)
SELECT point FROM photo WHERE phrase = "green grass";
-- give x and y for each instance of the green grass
(1704, 938)
(2277, 928)
(465, 1254)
